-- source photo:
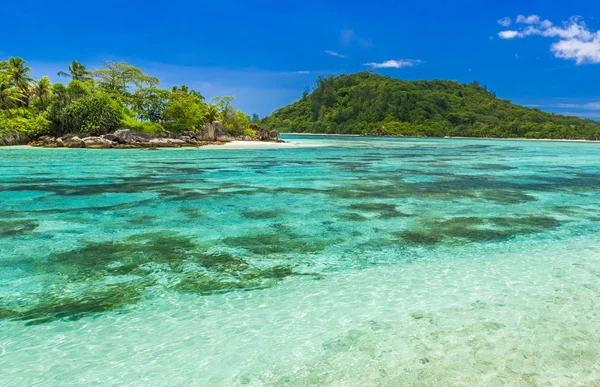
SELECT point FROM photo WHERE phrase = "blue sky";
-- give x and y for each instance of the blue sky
(538, 53)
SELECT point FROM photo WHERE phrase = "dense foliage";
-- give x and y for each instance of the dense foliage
(99, 101)
(370, 103)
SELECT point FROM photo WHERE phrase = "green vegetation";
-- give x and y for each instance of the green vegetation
(368, 103)
(96, 102)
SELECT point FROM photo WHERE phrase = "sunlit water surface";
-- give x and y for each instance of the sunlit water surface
(337, 260)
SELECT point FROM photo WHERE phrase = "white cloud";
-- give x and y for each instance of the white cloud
(333, 53)
(393, 64)
(574, 28)
(575, 40)
(527, 31)
(505, 21)
(580, 51)
(508, 34)
(532, 19)
(302, 72)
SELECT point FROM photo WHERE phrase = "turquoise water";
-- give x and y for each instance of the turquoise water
(328, 261)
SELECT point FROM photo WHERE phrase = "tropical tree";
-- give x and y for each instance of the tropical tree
(119, 77)
(237, 123)
(17, 74)
(184, 112)
(197, 94)
(42, 90)
(185, 89)
(233, 119)
(150, 103)
(212, 113)
(224, 106)
(77, 72)
(10, 96)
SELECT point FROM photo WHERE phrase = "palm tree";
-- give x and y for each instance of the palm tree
(10, 96)
(17, 74)
(212, 113)
(42, 89)
(77, 72)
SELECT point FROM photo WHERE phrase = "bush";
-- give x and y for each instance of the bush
(95, 114)
(236, 122)
(32, 127)
(250, 132)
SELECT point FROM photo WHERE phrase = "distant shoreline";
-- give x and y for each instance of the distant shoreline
(452, 137)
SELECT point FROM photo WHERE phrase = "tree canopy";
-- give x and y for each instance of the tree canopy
(370, 103)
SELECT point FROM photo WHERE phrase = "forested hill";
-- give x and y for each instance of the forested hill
(370, 103)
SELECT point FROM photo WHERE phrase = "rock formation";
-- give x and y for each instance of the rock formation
(213, 133)
(124, 136)
(13, 138)
(265, 135)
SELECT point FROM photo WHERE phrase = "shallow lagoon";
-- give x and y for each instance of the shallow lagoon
(340, 260)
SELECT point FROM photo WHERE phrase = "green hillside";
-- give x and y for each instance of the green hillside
(370, 103)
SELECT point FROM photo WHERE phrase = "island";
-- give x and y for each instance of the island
(371, 104)
(115, 106)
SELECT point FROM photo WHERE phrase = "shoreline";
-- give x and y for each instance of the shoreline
(214, 133)
(229, 145)
(451, 137)
(257, 144)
